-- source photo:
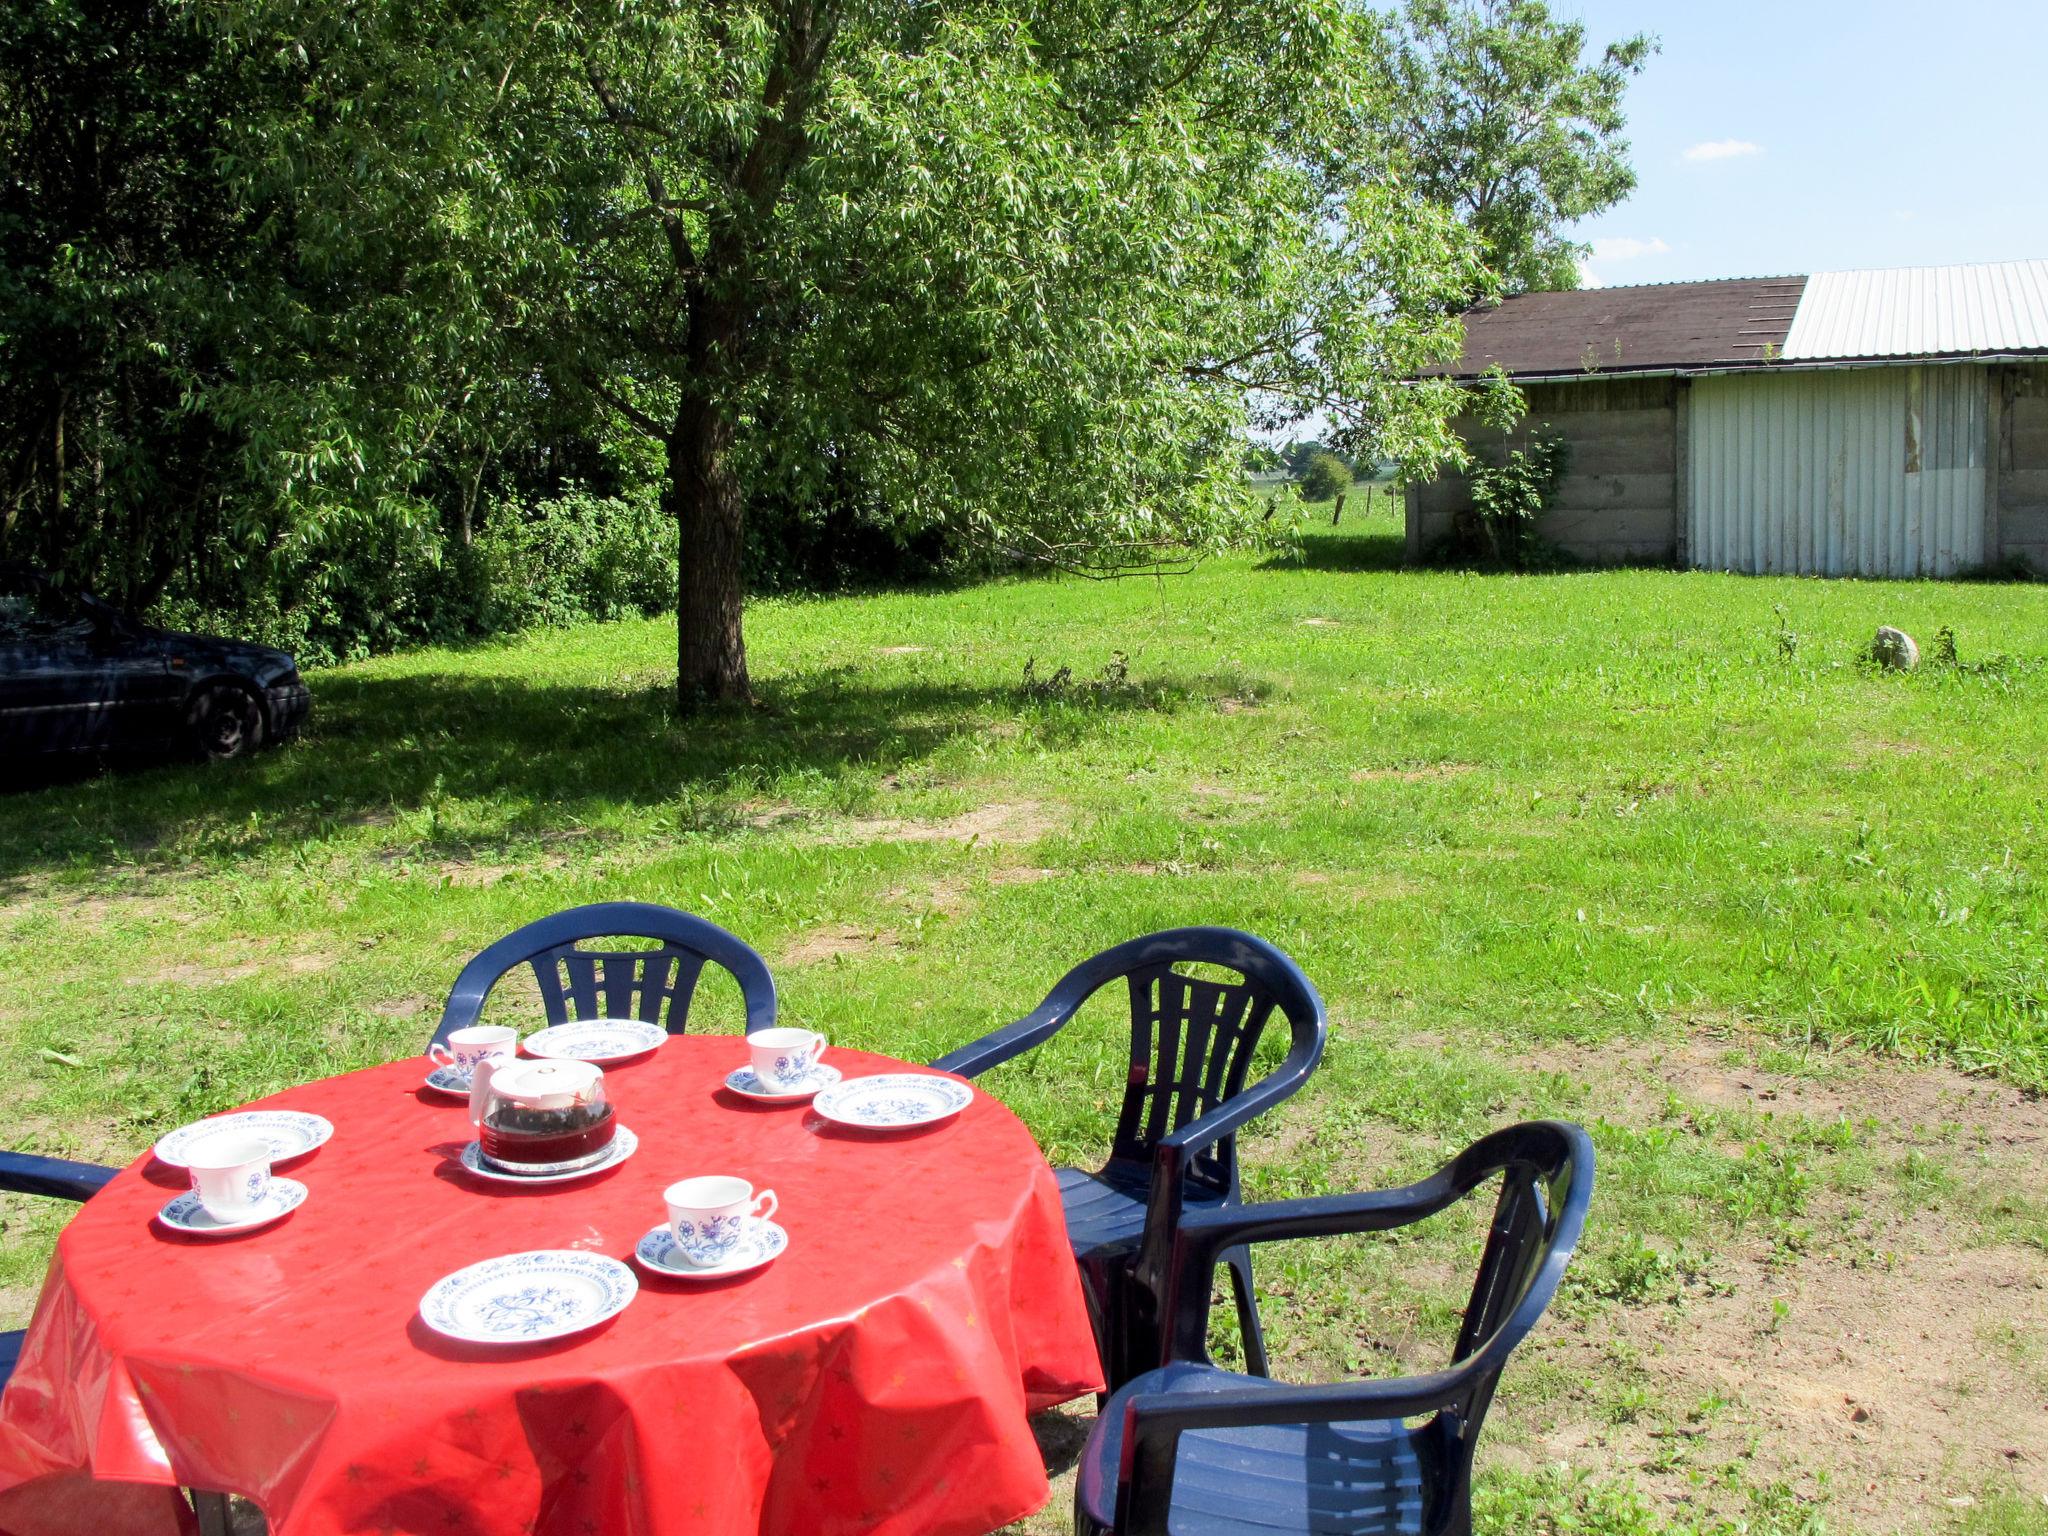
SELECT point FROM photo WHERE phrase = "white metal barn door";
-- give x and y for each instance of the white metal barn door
(1838, 472)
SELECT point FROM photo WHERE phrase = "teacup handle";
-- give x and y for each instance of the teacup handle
(817, 1047)
(439, 1054)
(764, 1205)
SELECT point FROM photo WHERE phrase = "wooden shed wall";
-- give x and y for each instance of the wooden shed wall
(1619, 501)
(2021, 464)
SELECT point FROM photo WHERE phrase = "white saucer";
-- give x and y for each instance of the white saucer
(185, 1214)
(595, 1040)
(624, 1144)
(526, 1298)
(657, 1253)
(743, 1082)
(290, 1132)
(448, 1080)
(894, 1101)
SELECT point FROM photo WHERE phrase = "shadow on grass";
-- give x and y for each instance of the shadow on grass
(1328, 550)
(540, 757)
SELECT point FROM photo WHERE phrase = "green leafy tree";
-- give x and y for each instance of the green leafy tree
(1021, 272)
(112, 235)
(1325, 479)
(1500, 112)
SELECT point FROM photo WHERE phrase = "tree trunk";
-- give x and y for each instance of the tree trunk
(703, 494)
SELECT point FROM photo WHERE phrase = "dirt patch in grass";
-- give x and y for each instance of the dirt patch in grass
(1021, 874)
(1226, 794)
(945, 895)
(192, 974)
(1872, 1381)
(188, 975)
(1412, 775)
(901, 650)
(1910, 1106)
(24, 898)
(1893, 1359)
(837, 941)
(998, 824)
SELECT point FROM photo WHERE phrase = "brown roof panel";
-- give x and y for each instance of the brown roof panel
(1661, 326)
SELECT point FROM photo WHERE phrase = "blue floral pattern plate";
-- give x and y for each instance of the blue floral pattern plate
(657, 1252)
(893, 1101)
(185, 1214)
(624, 1145)
(747, 1084)
(290, 1132)
(595, 1040)
(526, 1298)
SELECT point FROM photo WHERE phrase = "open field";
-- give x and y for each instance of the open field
(1645, 849)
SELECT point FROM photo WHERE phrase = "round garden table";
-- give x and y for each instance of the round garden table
(874, 1378)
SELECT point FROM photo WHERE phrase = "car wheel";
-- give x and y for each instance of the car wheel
(224, 721)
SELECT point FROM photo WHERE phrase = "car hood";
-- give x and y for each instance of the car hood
(263, 663)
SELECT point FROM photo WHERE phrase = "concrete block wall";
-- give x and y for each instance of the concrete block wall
(1619, 502)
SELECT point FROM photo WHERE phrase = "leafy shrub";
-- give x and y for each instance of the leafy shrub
(575, 556)
(1510, 496)
(1325, 479)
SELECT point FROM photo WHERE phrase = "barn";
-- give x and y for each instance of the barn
(1879, 423)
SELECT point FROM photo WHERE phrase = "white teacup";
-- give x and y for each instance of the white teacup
(231, 1172)
(785, 1058)
(709, 1216)
(464, 1048)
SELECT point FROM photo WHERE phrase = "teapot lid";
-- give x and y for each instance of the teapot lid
(549, 1078)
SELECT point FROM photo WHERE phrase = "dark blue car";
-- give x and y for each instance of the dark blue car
(78, 676)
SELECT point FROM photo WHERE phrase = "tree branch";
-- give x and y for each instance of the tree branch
(626, 408)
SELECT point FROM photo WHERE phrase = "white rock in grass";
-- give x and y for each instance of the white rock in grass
(1894, 648)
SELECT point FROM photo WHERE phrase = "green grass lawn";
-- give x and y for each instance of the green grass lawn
(1650, 850)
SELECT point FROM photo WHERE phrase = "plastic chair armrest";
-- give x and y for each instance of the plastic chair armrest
(59, 1178)
(1281, 1084)
(1004, 1044)
(1272, 1221)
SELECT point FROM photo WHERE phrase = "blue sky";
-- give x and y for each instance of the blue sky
(1804, 136)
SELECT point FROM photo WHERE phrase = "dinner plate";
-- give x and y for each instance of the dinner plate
(623, 1145)
(743, 1081)
(186, 1214)
(526, 1298)
(657, 1252)
(290, 1132)
(595, 1040)
(893, 1101)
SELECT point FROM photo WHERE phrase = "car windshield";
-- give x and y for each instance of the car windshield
(32, 611)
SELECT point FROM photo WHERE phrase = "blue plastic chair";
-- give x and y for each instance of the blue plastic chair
(1175, 1146)
(653, 985)
(1193, 1450)
(24, 1173)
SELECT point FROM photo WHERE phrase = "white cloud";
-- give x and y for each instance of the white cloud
(1628, 248)
(1722, 149)
(1588, 278)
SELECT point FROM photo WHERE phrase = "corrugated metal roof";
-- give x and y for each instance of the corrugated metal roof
(1922, 312)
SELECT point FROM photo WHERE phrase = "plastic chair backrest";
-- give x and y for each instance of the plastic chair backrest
(655, 985)
(1193, 1038)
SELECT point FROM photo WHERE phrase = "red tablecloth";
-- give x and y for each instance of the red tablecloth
(875, 1378)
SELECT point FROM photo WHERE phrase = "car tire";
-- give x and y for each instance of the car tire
(224, 721)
